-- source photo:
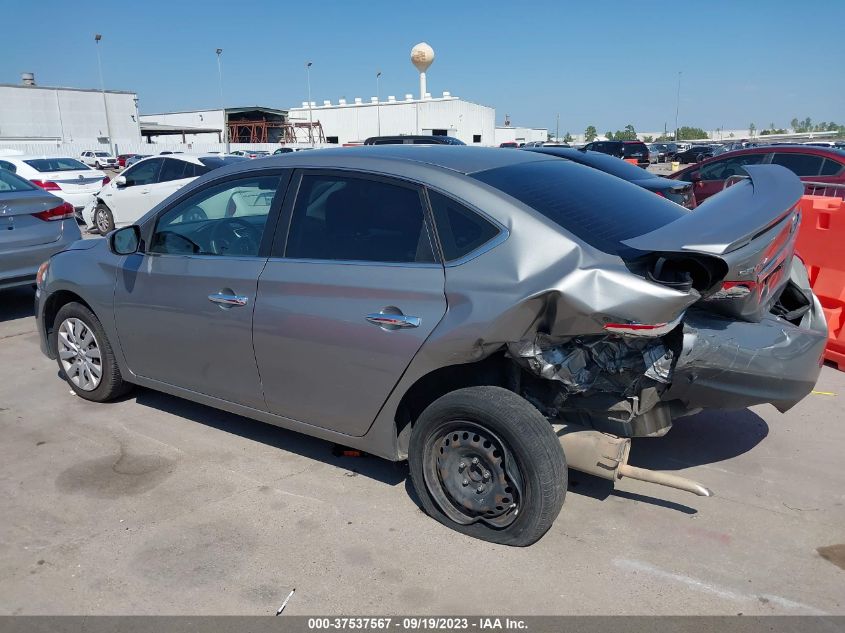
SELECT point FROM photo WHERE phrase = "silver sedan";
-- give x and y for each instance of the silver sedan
(493, 317)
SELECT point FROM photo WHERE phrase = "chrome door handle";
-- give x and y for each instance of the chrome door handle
(228, 299)
(393, 321)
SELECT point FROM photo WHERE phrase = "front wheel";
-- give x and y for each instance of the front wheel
(85, 356)
(486, 463)
(103, 218)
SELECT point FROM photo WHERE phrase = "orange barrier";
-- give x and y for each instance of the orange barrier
(633, 161)
(820, 244)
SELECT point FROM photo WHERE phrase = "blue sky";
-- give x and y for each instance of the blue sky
(617, 63)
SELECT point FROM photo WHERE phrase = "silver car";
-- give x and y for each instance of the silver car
(493, 317)
(34, 225)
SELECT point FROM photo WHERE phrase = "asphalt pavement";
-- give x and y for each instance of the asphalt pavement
(157, 505)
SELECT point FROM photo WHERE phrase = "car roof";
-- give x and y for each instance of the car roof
(188, 158)
(12, 159)
(459, 158)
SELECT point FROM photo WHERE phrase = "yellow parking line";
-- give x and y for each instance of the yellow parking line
(823, 393)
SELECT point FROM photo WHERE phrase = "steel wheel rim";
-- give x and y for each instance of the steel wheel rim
(102, 221)
(454, 470)
(79, 354)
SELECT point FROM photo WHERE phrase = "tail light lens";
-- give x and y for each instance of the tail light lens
(47, 185)
(643, 329)
(660, 193)
(106, 181)
(62, 212)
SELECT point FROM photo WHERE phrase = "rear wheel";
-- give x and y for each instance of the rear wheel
(486, 463)
(85, 356)
(103, 218)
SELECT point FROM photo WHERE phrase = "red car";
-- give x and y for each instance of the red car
(819, 166)
(121, 159)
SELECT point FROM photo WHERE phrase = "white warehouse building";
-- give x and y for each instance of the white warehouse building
(345, 122)
(69, 118)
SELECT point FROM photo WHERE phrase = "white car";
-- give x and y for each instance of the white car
(143, 185)
(99, 159)
(62, 176)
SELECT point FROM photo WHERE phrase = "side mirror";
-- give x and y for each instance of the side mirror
(120, 181)
(125, 241)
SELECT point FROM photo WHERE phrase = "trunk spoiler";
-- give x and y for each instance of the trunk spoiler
(731, 219)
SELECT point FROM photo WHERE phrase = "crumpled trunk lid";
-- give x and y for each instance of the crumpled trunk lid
(752, 227)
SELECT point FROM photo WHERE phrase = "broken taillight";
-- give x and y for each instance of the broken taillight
(62, 212)
(643, 329)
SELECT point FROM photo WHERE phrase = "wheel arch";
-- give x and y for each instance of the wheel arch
(495, 370)
(55, 302)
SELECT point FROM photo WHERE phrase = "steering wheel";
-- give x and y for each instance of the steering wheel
(234, 236)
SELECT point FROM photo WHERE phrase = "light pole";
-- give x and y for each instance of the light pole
(378, 101)
(557, 128)
(219, 52)
(97, 38)
(677, 106)
(310, 116)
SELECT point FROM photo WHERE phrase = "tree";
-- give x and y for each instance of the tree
(608, 135)
(686, 133)
(568, 138)
(628, 134)
(751, 129)
(648, 138)
(590, 134)
(794, 124)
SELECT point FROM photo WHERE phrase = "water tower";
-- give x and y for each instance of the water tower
(422, 55)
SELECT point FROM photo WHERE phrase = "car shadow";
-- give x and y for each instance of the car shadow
(705, 438)
(17, 303)
(385, 471)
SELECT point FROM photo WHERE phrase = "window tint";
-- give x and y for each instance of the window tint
(8, 166)
(172, 170)
(724, 169)
(801, 164)
(634, 149)
(56, 164)
(226, 219)
(144, 173)
(461, 231)
(830, 168)
(599, 209)
(342, 218)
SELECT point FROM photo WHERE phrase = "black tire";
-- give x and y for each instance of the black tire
(97, 164)
(103, 218)
(536, 467)
(111, 383)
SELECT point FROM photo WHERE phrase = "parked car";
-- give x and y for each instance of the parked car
(511, 144)
(414, 139)
(669, 189)
(507, 314)
(168, 152)
(695, 154)
(98, 159)
(122, 158)
(134, 159)
(143, 185)
(820, 165)
(283, 150)
(622, 149)
(34, 225)
(657, 152)
(65, 177)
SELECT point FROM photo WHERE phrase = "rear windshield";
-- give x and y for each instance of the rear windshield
(56, 164)
(634, 149)
(599, 209)
(213, 162)
(13, 182)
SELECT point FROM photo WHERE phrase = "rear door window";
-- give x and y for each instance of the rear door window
(172, 169)
(461, 231)
(144, 173)
(800, 164)
(338, 217)
(831, 168)
(599, 209)
(724, 169)
(11, 182)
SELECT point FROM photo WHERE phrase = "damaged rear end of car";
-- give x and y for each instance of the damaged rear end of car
(707, 309)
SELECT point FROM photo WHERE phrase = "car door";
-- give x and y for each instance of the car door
(347, 301)
(129, 201)
(184, 307)
(709, 178)
(814, 168)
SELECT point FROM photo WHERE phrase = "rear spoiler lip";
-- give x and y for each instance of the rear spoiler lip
(730, 219)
